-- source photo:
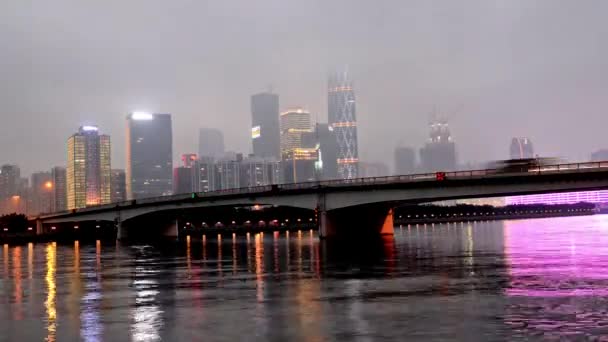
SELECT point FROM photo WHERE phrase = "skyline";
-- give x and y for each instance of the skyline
(483, 64)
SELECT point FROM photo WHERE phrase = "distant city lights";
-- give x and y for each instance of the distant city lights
(89, 128)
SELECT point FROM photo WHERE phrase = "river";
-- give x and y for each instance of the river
(478, 281)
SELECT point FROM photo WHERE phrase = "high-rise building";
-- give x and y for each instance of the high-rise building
(256, 171)
(42, 191)
(521, 148)
(88, 173)
(405, 161)
(207, 174)
(294, 123)
(210, 143)
(265, 128)
(228, 173)
(9, 181)
(186, 178)
(149, 155)
(328, 151)
(343, 119)
(600, 155)
(299, 155)
(59, 201)
(439, 153)
(119, 186)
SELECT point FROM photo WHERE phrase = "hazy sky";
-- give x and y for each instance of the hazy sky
(496, 69)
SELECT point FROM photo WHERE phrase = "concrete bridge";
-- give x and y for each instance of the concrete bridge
(359, 206)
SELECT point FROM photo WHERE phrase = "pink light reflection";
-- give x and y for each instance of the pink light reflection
(600, 196)
(558, 257)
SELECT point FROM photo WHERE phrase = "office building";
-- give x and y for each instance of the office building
(256, 171)
(58, 178)
(119, 186)
(521, 148)
(228, 173)
(149, 155)
(439, 153)
(294, 123)
(186, 178)
(41, 193)
(207, 174)
(342, 118)
(405, 161)
(210, 143)
(10, 177)
(328, 151)
(88, 173)
(265, 128)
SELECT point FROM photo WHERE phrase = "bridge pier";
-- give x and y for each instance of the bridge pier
(39, 227)
(356, 222)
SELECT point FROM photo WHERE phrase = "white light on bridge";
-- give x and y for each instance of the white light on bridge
(6, 229)
(53, 228)
(30, 228)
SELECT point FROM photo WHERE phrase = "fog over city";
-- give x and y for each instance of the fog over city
(493, 69)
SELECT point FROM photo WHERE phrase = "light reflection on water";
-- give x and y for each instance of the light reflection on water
(478, 281)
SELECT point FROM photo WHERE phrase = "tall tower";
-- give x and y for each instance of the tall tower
(88, 173)
(342, 118)
(149, 155)
(265, 131)
(439, 153)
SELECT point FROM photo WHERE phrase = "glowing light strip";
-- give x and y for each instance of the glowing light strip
(600, 196)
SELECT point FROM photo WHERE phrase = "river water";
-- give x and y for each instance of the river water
(480, 281)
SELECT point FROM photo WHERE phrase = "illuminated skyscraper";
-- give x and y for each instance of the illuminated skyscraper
(88, 174)
(298, 151)
(210, 143)
(342, 118)
(521, 148)
(439, 153)
(328, 151)
(265, 129)
(186, 178)
(149, 155)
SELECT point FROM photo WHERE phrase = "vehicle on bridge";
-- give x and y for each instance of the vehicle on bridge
(522, 165)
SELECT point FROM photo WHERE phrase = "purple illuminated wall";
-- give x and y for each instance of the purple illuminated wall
(561, 198)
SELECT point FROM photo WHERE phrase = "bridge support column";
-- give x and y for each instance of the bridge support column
(356, 222)
(39, 227)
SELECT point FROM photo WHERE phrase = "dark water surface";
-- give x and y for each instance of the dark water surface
(486, 281)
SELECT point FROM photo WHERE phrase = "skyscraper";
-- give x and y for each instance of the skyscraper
(521, 148)
(328, 151)
(343, 119)
(294, 123)
(186, 178)
(210, 143)
(119, 186)
(9, 181)
(149, 155)
(439, 153)
(207, 174)
(41, 192)
(298, 151)
(59, 202)
(88, 172)
(405, 161)
(256, 171)
(265, 129)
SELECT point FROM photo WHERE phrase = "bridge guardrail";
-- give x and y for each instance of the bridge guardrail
(544, 169)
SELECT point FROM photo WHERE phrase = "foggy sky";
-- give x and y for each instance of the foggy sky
(496, 69)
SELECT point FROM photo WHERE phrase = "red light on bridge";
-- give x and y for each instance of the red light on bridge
(440, 176)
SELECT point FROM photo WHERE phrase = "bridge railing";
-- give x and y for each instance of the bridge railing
(543, 169)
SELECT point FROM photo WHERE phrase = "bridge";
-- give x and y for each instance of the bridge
(359, 206)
